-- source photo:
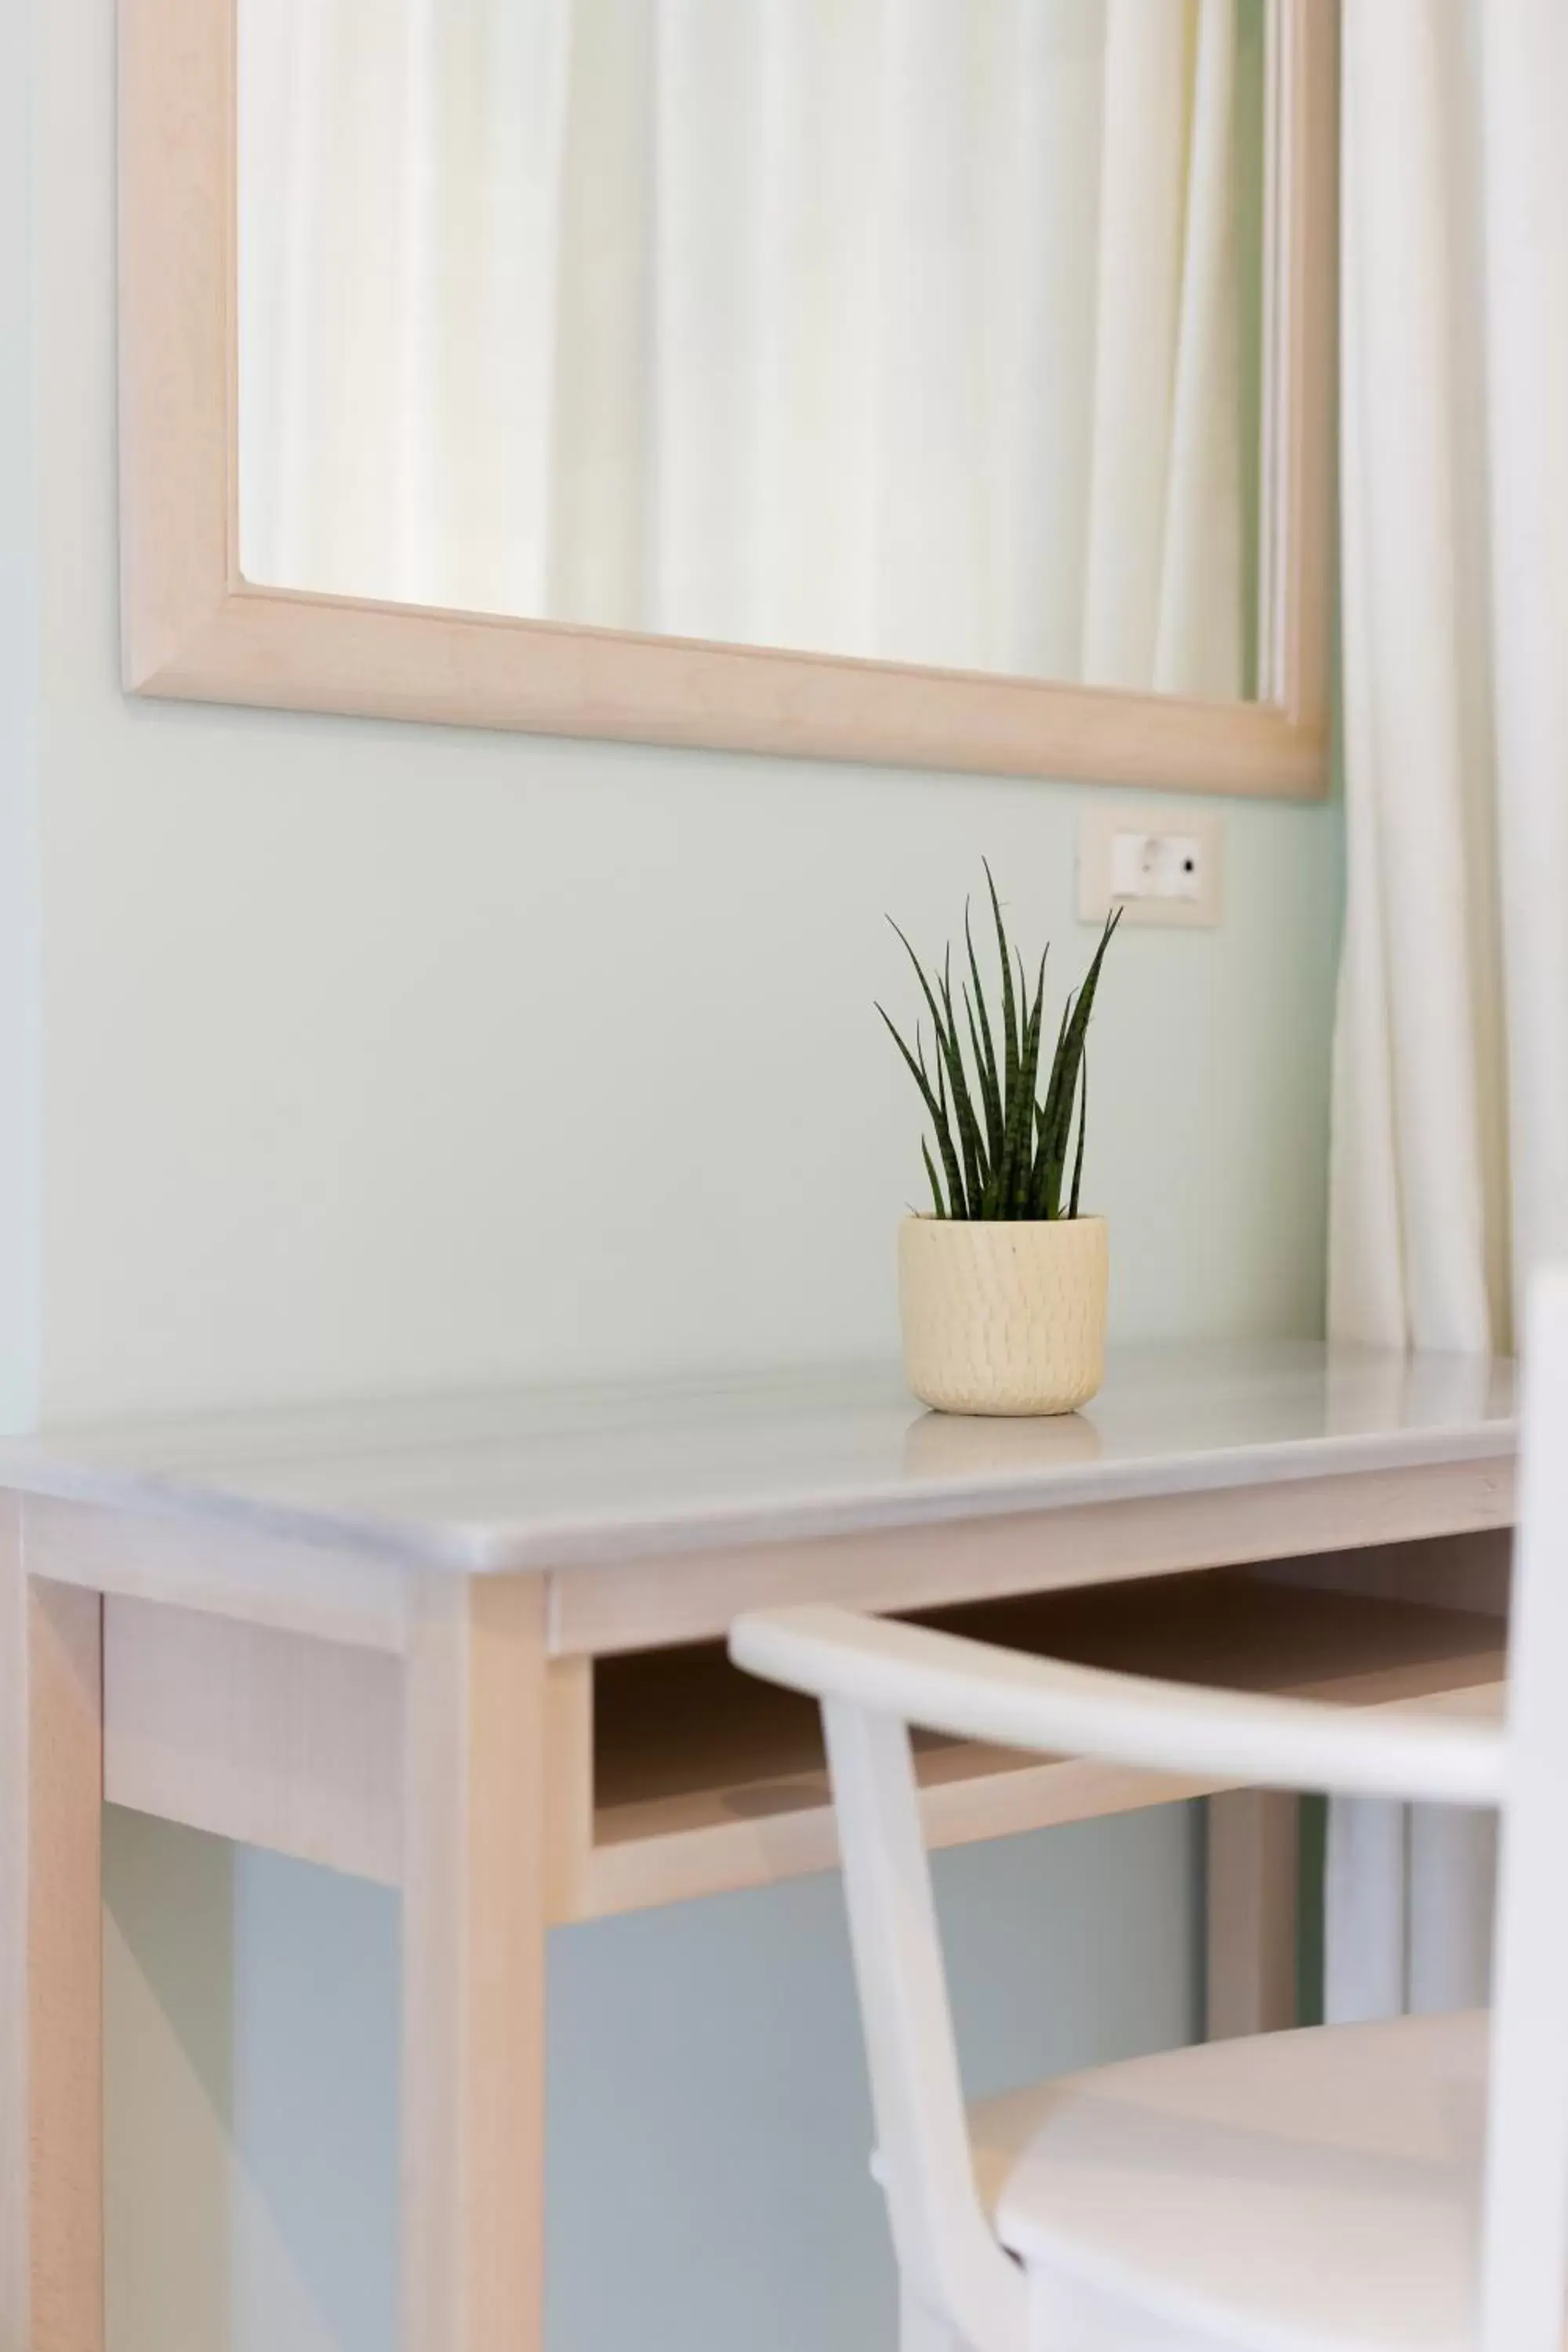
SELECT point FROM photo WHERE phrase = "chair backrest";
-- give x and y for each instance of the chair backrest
(1525, 2264)
(875, 1678)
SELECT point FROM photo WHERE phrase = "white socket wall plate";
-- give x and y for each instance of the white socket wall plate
(1161, 865)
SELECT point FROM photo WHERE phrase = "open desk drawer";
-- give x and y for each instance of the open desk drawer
(677, 1775)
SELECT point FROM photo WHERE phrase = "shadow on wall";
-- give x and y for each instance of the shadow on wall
(709, 2130)
(252, 2100)
(168, 1968)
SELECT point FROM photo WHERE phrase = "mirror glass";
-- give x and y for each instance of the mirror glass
(921, 330)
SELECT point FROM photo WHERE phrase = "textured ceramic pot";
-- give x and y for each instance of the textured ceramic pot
(1003, 1319)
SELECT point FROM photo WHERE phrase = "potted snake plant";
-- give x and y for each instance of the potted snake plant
(1002, 1282)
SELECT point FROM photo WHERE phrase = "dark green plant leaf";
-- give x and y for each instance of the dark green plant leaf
(926, 988)
(1082, 1129)
(985, 1047)
(1009, 1007)
(975, 1160)
(946, 1129)
(966, 1197)
(1029, 1068)
(1046, 1180)
(1053, 1126)
(990, 1097)
(1011, 1186)
(1064, 1083)
(941, 1208)
(937, 1105)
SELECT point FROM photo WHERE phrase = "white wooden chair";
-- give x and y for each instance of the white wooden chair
(1387, 2187)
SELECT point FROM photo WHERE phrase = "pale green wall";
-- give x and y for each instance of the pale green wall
(317, 1058)
(19, 689)
(374, 1060)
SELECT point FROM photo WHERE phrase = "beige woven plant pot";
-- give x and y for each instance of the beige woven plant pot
(1003, 1319)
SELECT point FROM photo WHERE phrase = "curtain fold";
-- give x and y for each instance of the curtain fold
(1195, 651)
(1450, 1149)
(901, 327)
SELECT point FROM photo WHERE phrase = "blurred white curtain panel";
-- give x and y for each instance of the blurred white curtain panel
(899, 327)
(1450, 1157)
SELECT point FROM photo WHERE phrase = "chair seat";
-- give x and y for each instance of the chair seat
(1290, 2194)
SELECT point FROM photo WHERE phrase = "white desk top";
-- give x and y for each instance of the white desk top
(580, 1476)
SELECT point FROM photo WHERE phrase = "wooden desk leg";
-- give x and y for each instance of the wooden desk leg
(1252, 1847)
(473, 1966)
(51, 1980)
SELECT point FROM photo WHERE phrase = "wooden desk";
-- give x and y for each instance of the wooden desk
(472, 1647)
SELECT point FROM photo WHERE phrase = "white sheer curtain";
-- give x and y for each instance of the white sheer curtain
(905, 327)
(1450, 1170)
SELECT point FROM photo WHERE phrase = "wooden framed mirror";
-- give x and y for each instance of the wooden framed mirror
(1063, 535)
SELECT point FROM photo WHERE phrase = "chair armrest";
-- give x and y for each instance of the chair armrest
(974, 1691)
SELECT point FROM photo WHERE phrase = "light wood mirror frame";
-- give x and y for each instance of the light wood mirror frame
(194, 628)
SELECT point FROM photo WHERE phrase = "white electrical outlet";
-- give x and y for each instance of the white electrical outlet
(1160, 864)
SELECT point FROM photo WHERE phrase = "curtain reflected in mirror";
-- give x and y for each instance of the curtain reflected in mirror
(921, 330)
